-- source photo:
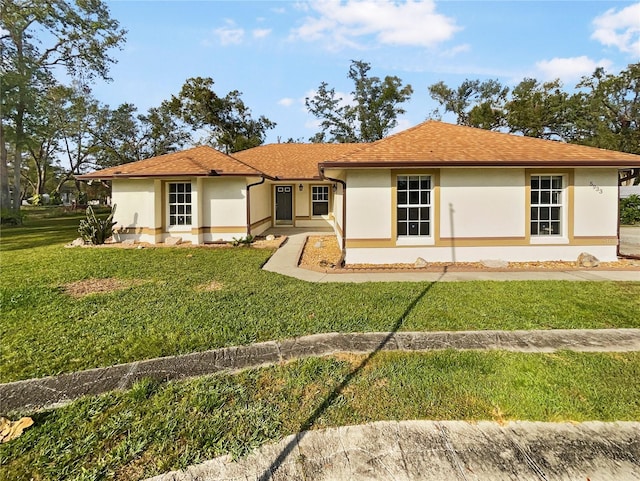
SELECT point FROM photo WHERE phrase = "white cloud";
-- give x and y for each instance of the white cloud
(620, 29)
(409, 23)
(286, 102)
(570, 69)
(452, 52)
(229, 34)
(403, 124)
(261, 32)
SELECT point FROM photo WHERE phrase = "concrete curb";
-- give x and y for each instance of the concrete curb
(51, 391)
(436, 451)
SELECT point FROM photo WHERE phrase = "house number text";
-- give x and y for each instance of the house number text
(595, 187)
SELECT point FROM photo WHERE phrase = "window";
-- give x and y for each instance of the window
(180, 203)
(414, 205)
(320, 199)
(546, 205)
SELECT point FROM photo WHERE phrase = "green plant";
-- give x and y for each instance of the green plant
(56, 199)
(37, 199)
(243, 241)
(82, 198)
(11, 217)
(630, 210)
(96, 230)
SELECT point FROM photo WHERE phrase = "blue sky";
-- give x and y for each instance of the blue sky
(278, 52)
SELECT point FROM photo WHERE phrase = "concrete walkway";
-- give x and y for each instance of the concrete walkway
(439, 451)
(51, 391)
(285, 261)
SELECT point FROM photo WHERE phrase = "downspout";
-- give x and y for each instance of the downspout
(249, 204)
(618, 243)
(344, 214)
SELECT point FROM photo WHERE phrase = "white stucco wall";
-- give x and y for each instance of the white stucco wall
(482, 203)
(223, 203)
(137, 209)
(135, 200)
(408, 255)
(596, 202)
(338, 200)
(260, 206)
(483, 215)
(369, 204)
(301, 199)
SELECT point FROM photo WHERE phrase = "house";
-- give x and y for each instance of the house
(438, 191)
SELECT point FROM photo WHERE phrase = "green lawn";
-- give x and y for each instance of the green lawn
(154, 428)
(165, 311)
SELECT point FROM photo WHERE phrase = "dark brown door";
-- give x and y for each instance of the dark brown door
(284, 204)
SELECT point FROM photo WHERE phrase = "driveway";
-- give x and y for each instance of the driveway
(437, 451)
(630, 240)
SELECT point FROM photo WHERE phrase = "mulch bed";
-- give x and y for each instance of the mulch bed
(260, 242)
(321, 253)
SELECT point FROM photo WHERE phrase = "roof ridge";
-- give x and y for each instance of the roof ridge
(367, 145)
(246, 164)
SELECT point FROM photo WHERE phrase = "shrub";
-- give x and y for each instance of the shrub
(11, 217)
(243, 241)
(37, 199)
(96, 230)
(630, 210)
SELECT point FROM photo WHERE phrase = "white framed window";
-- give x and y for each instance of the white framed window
(319, 200)
(547, 199)
(414, 197)
(179, 203)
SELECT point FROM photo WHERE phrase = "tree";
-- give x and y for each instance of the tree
(611, 113)
(612, 117)
(77, 115)
(227, 119)
(474, 103)
(79, 37)
(42, 136)
(161, 132)
(121, 136)
(370, 115)
(542, 110)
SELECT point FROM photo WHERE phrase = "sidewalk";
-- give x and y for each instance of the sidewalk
(437, 451)
(285, 261)
(56, 390)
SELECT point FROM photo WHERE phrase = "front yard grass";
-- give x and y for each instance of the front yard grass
(180, 300)
(154, 428)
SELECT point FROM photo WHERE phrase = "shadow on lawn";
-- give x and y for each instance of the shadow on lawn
(329, 400)
(40, 233)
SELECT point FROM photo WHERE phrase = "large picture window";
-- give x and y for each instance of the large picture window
(414, 205)
(546, 205)
(180, 203)
(320, 200)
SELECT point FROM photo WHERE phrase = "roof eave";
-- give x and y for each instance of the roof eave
(170, 174)
(476, 163)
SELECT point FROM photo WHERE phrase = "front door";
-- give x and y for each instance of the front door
(284, 204)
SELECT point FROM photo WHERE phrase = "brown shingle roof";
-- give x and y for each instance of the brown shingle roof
(440, 144)
(199, 161)
(293, 161)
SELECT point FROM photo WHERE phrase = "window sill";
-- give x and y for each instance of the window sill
(414, 241)
(546, 240)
